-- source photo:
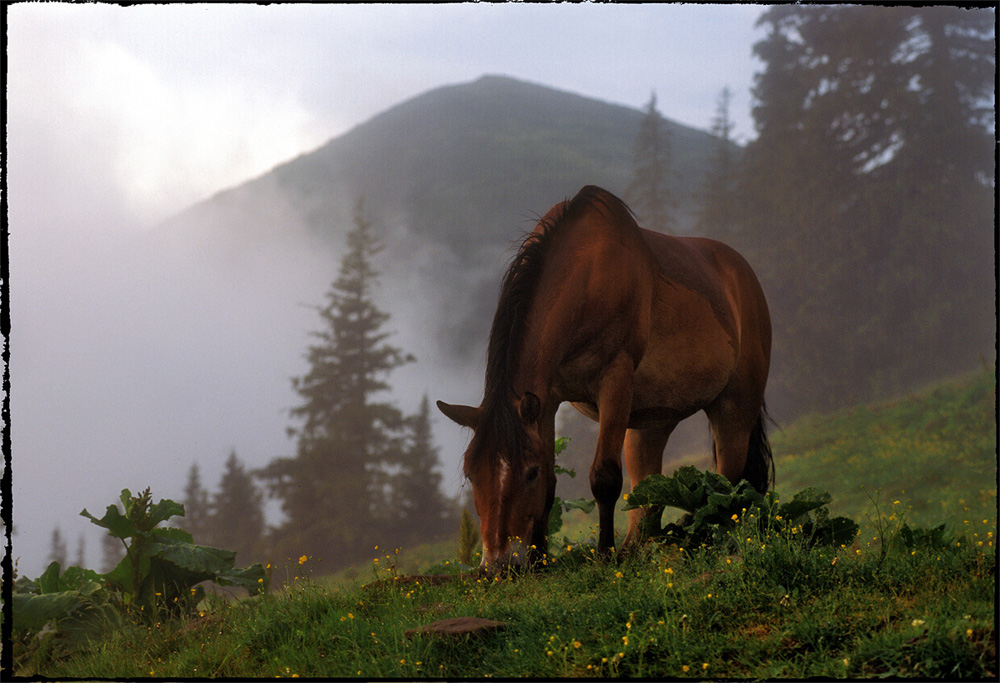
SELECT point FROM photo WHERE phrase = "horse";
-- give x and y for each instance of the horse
(636, 329)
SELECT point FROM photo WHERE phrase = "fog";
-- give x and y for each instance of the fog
(137, 350)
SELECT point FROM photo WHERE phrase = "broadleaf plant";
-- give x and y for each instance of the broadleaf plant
(714, 507)
(161, 570)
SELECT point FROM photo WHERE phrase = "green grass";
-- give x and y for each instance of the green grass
(935, 452)
(888, 605)
(770, 610)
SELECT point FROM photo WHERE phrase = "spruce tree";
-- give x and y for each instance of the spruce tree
(334, 491)
(717, 210)
(58, 551)
(237, 513)
(81, 551)
(649, 193)
(867, 198)
(196, 507)
(425, 513)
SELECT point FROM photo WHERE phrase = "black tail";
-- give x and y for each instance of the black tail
(759, 469)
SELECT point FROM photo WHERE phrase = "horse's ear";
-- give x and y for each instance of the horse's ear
(467, 416)
(530, 408)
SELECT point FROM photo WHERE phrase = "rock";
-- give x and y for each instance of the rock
(458, 626)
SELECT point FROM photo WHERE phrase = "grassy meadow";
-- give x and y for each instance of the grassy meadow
(904, 599)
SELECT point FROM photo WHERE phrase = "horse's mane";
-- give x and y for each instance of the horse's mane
(501, 430)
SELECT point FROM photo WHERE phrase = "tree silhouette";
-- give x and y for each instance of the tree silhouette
(196, 507)
(649, 193)
(334, 491)
(237, 513)
(866, 199)
(717, 206)
(58, 551)
(424, 512)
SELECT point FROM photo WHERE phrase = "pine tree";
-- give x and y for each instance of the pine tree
(866, 199)
(649, 193)
(81, 552)
(717, 205)
(334, 491)
(425, 513)
(237, 513)
(58, 552)
(196, 507)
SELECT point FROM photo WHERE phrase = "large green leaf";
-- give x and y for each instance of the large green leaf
(48, 582)
(804, 501)
(164, 510)
(117, 524)
(124, 577)
(32, 612)
(585, 504)
(685, 490)
(194, 558)
(172, 533)
(555, 517)
(87, 581)
(252, 578)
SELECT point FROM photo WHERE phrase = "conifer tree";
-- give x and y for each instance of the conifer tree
(58, 550)
(334, 491)
(81, 551)
(868, 197)
(649, 193)
(196, 507)
(424, 511)
(717, 202)
(237, 513)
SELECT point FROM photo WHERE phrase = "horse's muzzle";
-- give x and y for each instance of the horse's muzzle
(516, 556)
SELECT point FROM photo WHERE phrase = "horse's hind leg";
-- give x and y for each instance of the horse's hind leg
(731, 432)
(643, 457)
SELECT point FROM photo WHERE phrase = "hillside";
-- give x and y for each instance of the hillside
(454, 177)
(456, 164)
(933, 451)
(897, 602)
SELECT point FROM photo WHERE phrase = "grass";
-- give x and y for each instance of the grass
(892, 604)
(771, 609)
(934, 451)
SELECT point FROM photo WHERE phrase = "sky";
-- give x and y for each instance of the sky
(120, 117)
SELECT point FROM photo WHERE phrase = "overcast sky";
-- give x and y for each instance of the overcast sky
(120, 117)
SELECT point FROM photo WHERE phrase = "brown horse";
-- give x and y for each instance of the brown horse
(638, 330)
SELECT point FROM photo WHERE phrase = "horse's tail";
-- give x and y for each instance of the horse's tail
(759, 468)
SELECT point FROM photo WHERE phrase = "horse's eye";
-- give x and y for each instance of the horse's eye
(531, 474)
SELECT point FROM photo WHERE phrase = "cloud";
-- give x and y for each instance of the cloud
(124, 117)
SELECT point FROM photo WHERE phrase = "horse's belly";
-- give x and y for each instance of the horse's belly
(673, 381)
(688, 358)
(686, 365)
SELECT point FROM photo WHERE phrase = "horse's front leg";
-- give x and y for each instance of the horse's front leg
(614, 405)
(643, 457)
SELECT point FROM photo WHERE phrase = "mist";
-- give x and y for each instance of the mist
(158, 318)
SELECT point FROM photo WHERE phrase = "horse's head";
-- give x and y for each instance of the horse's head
(513, 482)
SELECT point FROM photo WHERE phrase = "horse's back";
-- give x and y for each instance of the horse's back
(714, 270)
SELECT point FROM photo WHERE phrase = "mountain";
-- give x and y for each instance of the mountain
(455, 176)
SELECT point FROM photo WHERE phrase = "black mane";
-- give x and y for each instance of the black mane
(501, 430)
